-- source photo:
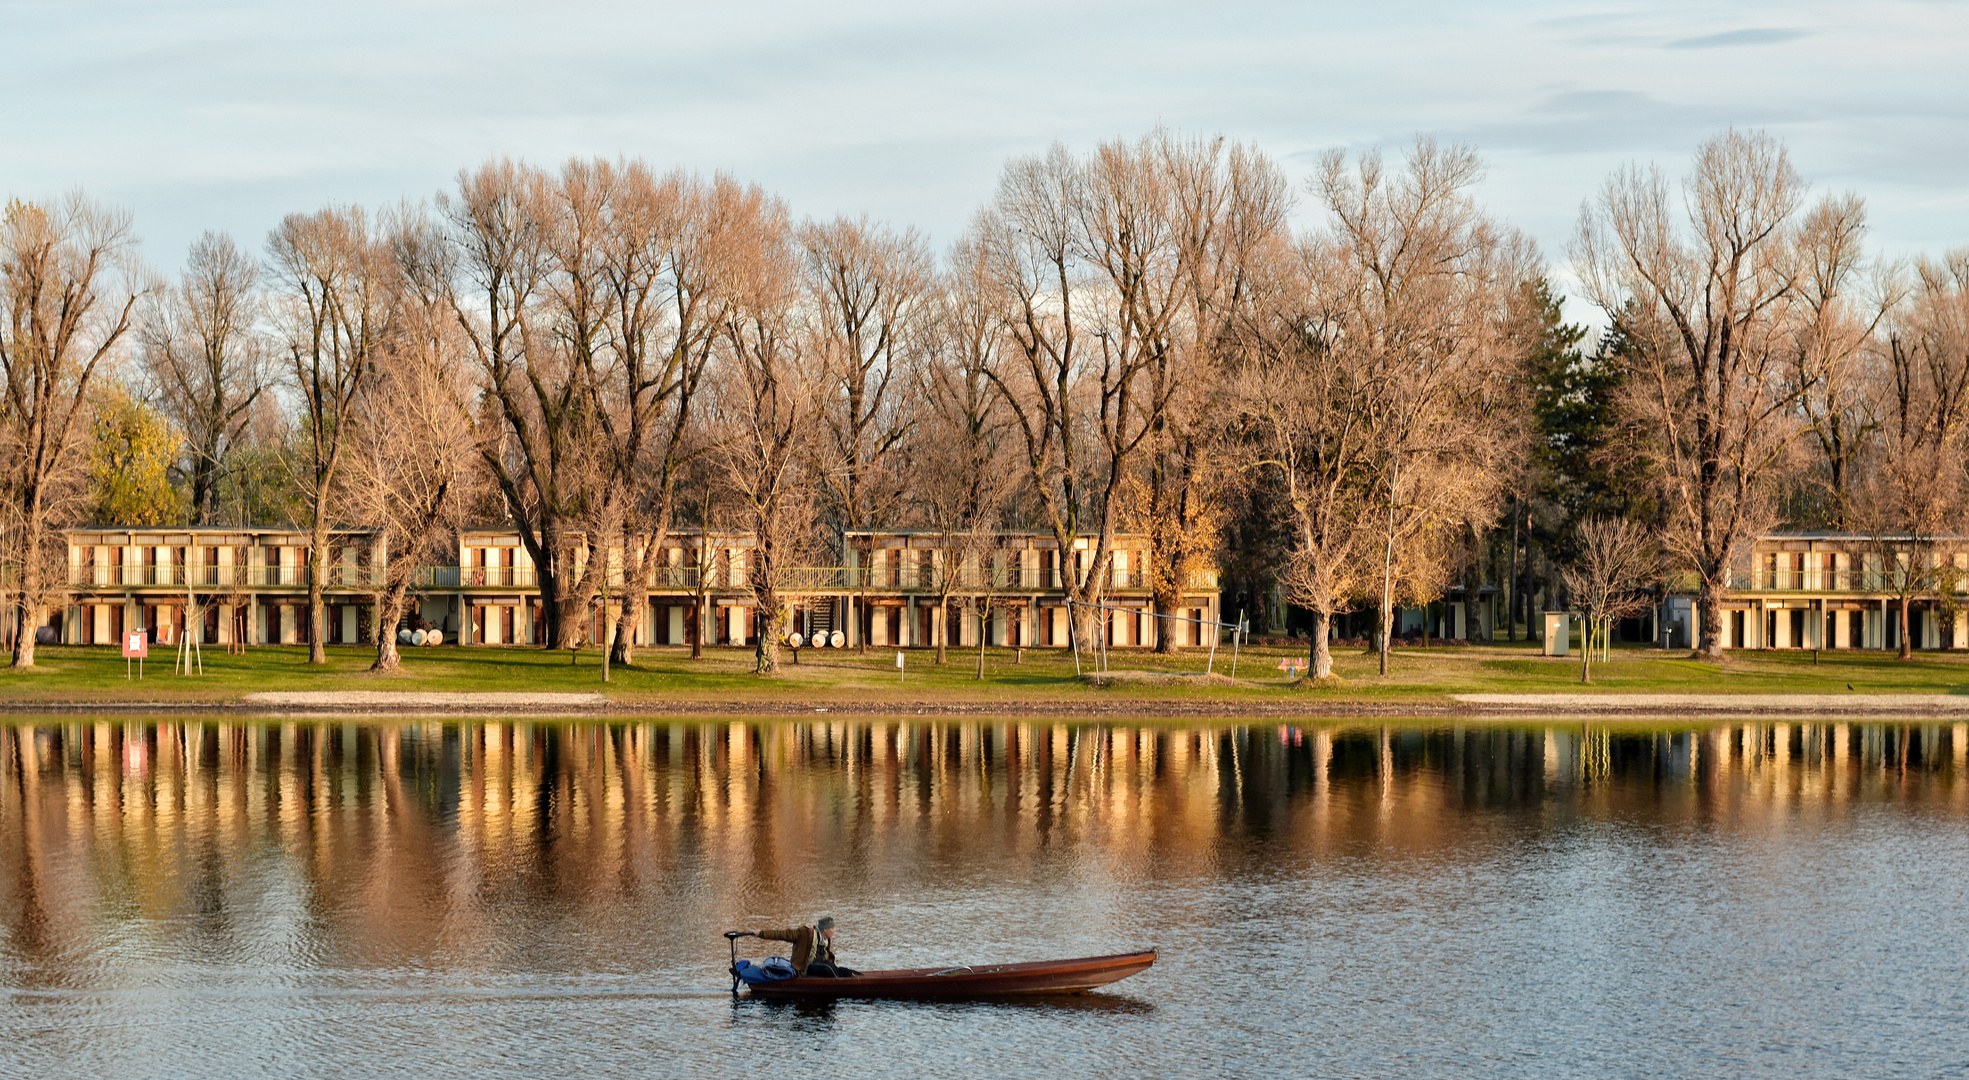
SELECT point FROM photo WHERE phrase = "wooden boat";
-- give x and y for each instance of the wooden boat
(997, 980)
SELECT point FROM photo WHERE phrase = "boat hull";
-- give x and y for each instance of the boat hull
(997, 980)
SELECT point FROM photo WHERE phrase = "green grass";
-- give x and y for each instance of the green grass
(86, 674)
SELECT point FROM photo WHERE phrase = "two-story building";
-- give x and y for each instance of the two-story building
(249, 585)
(1825, 590)
(898, 588)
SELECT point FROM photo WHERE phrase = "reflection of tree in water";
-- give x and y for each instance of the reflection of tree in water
(445, 839)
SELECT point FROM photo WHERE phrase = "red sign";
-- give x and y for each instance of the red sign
(136, 645)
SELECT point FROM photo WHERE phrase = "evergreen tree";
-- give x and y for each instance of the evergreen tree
(1586, 465)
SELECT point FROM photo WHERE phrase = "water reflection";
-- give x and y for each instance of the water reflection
(457, 876)
(400, 833)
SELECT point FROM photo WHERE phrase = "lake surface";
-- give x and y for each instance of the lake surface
(529, 900)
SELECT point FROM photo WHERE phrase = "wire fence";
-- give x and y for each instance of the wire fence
(1099, 647)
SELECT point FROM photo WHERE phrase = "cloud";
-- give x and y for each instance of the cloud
(1584, 121)
(1762, 35)
(205, 114)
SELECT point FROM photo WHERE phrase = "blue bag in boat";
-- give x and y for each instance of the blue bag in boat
(771, 969)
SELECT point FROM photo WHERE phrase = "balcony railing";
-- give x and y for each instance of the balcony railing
(1859, 580)
(214, 577)
(914, 579)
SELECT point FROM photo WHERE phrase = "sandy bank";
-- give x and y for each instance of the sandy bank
(1713, 705)
(1310, 706)
(394, 701)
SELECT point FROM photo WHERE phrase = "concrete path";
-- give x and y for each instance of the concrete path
(1680, 705)
(396, 702)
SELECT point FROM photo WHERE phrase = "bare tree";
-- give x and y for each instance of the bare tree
(1300, 398)
(962, 475)
(528, 293)
(410, 453)
(762, 405)
(703, 499)
(1915, 486)
(1705, 311)
(335, 284)
(1831, 337)
(1617, 563)
(867, 288)
(1419, 284)
(1229, 210)
(205, 354)
(1082, 260)
(669, 274)
(67, 306)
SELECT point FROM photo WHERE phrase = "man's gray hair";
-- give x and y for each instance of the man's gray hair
(824, 923)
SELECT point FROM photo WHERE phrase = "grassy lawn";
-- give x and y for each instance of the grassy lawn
(83, 674)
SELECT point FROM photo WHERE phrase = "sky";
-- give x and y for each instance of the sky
(206, 114)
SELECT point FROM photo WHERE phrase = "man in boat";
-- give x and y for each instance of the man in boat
(813, 948)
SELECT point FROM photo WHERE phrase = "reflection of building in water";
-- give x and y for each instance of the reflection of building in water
(440, 836)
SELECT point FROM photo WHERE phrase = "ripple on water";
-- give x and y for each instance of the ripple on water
(505, 899)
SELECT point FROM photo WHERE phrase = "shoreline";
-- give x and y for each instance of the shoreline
(1479, 706)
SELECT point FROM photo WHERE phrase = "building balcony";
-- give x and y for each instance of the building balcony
(1829, 582)
(926, 581)
(87, 578)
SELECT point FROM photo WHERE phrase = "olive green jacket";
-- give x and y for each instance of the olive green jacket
(808, 945)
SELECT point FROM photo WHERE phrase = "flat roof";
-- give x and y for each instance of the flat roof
(1820, 534)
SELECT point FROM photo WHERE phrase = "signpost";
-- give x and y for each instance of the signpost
(136, 646)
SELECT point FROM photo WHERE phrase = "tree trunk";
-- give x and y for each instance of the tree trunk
(941, 631)
(1165, 610)
(1320, 663)
(202, 477)
(1586, 653)
(389, 614)
(1709, 617)
(30, 589)
(1086, 624)
(1907, 643)
(552, 633)
(1511, 580)
(984, 632)
(570, 614)
(622, 646)
(864, 559)
(1387, 601)
(317, 602)
(765, 658)
(634, 601)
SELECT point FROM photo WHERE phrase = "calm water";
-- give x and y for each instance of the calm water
(497, 899)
